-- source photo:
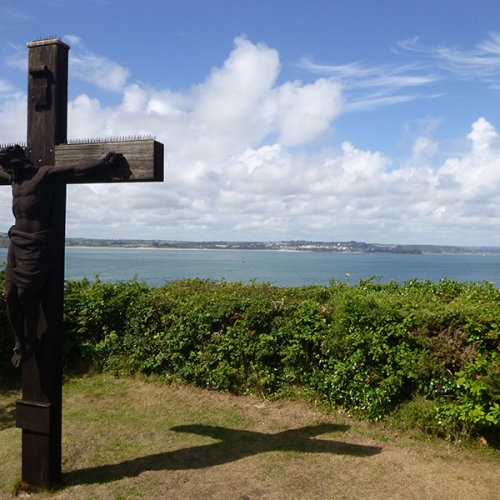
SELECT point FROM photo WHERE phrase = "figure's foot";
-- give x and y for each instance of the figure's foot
(17, 358)
(23, 353)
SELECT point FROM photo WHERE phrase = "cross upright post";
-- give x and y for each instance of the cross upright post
(39, 411)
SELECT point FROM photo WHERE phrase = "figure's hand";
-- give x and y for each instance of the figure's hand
(113, 159)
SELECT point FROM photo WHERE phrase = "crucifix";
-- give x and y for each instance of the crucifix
(52, 162)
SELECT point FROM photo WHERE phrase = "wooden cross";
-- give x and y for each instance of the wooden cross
(39, 412)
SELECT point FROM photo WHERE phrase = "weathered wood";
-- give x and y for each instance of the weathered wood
(42, 374)
(144, 158)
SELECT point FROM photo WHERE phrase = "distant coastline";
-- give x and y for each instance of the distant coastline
(290, 246)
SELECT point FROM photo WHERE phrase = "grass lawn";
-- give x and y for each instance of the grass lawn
(127, 439)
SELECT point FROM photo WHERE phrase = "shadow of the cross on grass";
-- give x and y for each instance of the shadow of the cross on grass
(233, 445)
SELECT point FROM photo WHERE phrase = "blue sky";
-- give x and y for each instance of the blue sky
(284, 119)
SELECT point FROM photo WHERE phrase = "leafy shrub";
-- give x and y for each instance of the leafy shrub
(430, 351)
(96, 315)
(475, 404)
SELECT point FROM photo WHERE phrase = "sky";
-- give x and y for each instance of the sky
(313, 120)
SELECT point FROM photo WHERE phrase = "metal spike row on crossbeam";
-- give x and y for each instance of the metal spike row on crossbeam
(4, 145)
(44, 38)
(93, 140)
(100, 140)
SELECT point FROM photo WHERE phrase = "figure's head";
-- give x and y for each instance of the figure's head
(14, 158)
(12, 151)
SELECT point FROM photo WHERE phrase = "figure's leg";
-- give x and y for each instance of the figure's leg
(15, 314)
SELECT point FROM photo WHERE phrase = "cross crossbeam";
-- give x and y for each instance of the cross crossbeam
(143, 160)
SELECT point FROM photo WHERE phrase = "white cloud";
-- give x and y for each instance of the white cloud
(95, 69)
(250, 71)
(368, 87)
(482, 62)
(86, 119)
(12, 117)
(306, 111)
(17, 58)
(476, 176)
(5, 87)
(422, 149)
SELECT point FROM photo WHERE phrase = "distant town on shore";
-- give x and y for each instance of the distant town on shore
(291, 246)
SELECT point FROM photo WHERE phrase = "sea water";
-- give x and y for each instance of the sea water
(158, 266)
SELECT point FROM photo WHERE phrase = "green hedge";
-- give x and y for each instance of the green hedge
(369, 348)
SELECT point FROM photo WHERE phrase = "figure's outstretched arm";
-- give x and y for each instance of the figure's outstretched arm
(111, 160)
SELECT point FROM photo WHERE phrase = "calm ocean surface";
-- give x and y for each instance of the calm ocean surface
(157, 267)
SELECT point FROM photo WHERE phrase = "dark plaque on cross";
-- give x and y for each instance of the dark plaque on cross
(34, 288)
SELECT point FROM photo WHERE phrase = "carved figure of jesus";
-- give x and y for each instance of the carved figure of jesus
(32, 249)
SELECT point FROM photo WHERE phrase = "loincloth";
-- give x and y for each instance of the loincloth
(29, 258)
